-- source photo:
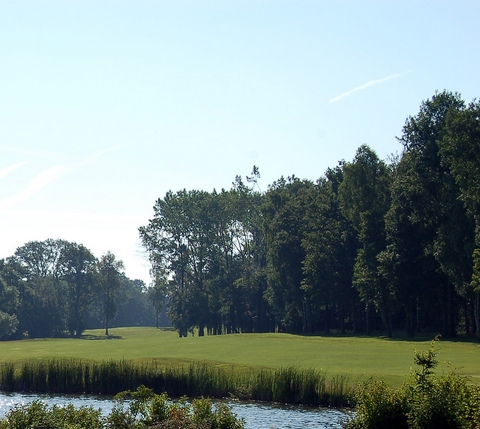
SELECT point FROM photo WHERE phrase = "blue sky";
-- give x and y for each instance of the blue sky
(107, 105)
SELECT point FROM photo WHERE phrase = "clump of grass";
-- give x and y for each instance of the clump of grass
(296, 386)
(7, 376)
(287, 385)
(337, 390)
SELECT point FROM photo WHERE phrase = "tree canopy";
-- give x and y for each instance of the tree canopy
(55, 288)
(373, 245)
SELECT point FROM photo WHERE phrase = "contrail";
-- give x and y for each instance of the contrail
(7, 170)
(45, 177)
(42, 180)
(365, 86)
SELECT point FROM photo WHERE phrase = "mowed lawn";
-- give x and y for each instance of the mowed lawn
(357, 357)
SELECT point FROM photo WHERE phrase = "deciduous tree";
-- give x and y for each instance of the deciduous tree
(428, 228)
(78, 269)
(110, 272)
(364, 196)
(460, 151)
(330, 248)
(285, 205)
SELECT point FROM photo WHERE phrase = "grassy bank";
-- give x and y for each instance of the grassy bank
(240, 363)
(289, 385)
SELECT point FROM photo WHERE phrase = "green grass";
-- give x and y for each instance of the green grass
(358, 358)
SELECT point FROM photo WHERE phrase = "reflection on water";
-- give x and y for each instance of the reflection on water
(256, 415)
(292, 417)
(9, 400)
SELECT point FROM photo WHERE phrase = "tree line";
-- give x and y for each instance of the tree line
(56, 287)
(372, 246)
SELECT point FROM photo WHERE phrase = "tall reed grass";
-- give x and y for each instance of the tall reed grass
(287, 385)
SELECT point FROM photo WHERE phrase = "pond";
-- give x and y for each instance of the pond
(256, 415)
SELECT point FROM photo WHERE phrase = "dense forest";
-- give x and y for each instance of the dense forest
(371, 246)
(55, 288)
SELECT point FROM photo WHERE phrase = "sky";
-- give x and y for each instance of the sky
(107, 105)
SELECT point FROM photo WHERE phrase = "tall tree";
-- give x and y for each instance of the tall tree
(460, 151)
(178, 239)
(42, 290)
(251, 277)
(410, 271)
(237, 257)
(78, 268)
(8, 306)
(330, 248)
(426, 223)
(110, 272)
(364, 196)
(284, 210)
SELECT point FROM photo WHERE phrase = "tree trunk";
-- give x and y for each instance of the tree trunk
(449, 316)
(477, 314)
(367, 319)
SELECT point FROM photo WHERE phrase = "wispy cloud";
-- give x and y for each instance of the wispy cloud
(7, 170)
(39, 182)
(30, 153)
(44, 178)
(94, 156)
(365, 86)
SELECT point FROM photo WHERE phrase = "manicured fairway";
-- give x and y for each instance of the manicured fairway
(359, 358)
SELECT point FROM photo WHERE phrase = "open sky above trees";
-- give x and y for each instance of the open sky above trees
(106, 106)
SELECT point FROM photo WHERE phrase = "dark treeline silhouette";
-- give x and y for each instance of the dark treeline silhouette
(371, 246)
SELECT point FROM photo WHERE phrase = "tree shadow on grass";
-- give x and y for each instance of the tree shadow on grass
(101, 337)
(400, 337)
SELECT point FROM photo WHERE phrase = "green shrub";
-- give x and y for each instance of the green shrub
(447, 402)
(379, 407)
(145, 409)
(224, 418)
(37, 415)
(426, 400)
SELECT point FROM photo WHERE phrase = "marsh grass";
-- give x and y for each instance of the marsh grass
(196, 379)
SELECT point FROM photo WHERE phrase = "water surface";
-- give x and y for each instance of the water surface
(256, 415)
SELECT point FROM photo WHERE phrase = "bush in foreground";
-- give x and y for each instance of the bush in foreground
(37, 415)
(425, 401)
(145, 409)
(141, 409)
